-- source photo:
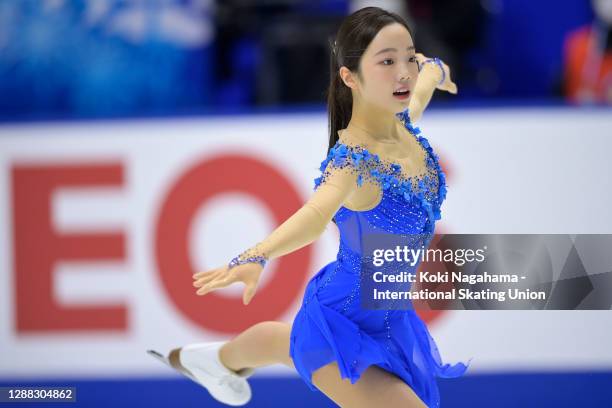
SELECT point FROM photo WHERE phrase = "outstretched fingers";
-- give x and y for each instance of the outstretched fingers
(225, 276)
(209, 276)
(219, 282)
(206, 273)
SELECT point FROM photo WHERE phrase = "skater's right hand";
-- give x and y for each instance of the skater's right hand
(448, 85)
(221, 277)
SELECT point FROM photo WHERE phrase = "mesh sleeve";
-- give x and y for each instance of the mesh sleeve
(309, 222)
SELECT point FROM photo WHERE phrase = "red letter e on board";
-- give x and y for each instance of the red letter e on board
(38, 246)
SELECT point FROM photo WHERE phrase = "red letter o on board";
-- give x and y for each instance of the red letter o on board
(223, 174)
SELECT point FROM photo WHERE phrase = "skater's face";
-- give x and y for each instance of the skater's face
(388, 65)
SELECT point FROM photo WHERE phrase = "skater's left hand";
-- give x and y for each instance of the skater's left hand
(221, 277)
(448, 85)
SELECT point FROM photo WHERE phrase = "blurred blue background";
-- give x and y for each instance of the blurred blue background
(111, 58)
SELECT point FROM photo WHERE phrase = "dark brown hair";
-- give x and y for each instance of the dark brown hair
(353, 37)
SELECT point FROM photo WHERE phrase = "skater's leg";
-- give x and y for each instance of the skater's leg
(375, 387)
(262, 344)
(268, 343)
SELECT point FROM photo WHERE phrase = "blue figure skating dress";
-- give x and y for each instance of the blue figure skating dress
(330, 325)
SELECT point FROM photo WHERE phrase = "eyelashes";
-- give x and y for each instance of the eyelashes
(411, 59)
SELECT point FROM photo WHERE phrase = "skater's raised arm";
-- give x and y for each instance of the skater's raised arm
(427, 82)
(299, 230)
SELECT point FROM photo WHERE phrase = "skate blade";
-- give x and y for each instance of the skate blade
(160, 357)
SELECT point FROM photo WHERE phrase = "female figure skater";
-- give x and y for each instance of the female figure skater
(380, 175)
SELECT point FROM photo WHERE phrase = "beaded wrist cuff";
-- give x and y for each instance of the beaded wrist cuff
(251, 255)
(438, 62)
(256, 259)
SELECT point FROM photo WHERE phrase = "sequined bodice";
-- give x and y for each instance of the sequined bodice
(409, 205)
(343, 316)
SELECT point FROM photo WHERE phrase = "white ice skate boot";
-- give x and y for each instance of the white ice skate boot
(201, 363)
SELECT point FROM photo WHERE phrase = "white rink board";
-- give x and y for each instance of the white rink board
(509, 171)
